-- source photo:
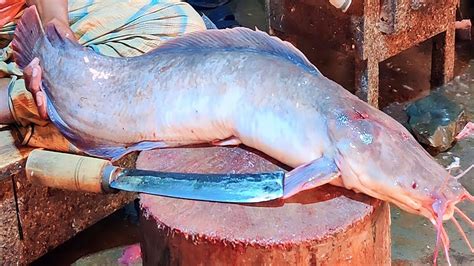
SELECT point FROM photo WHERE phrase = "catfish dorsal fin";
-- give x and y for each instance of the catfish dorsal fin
(239, 38)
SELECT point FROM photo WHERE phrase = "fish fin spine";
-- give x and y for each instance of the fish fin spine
(310, 175)
(239, 38)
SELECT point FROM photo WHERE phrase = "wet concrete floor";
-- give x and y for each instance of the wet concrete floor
(413, 237)
(404, 78)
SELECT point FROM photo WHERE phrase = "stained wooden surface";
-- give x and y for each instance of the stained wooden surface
(326, 225)
(35, 219)
(10, 242)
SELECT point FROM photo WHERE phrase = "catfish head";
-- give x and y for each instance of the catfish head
(377, 156)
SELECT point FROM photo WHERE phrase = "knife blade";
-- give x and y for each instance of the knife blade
(233, 188)
(81, 173)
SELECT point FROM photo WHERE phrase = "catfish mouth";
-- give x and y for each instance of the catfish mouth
(415, 202)
(437, 209)
(408, 202)
(438, 206)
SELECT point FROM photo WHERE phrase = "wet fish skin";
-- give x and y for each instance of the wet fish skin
(176, 99)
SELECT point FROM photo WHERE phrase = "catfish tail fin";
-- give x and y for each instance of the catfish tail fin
(27, 33)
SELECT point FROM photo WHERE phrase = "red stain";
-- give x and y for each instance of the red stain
(414, 185)
(405, 136)
(131, 255)
(358, 115)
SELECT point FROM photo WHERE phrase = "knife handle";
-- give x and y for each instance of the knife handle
(67, 171)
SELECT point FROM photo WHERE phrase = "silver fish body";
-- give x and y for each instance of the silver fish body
(194, 97)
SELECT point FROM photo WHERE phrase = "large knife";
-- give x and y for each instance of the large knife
(81, 173)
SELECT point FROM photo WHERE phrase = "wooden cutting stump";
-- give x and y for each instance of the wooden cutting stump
(327, 225)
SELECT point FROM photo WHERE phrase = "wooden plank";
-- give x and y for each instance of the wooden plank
(12, 156)
(12, 159)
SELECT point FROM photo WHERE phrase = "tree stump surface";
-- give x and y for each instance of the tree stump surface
(326, 225)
